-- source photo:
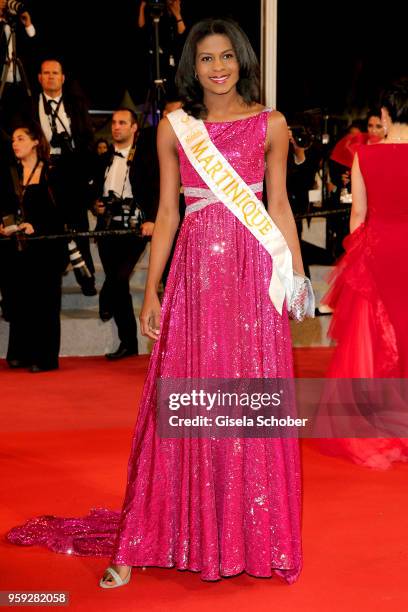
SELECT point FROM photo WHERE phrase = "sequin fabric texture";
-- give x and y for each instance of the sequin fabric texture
(215, 506)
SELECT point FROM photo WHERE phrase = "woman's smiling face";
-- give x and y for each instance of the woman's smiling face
(217, 65)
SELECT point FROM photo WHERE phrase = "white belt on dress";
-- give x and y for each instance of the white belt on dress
(207, 197)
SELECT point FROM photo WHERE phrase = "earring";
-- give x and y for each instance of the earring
(195, 75)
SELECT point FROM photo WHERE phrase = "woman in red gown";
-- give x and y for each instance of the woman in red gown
(369, 290)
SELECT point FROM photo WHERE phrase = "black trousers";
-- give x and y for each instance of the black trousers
(5, 309)
(33, 294)
(119, 255)
(70, 188)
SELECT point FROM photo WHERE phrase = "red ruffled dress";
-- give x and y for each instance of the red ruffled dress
(369, 296)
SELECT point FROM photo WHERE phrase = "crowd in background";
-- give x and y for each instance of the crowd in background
(54, 171)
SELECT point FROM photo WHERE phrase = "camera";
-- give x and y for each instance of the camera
(15, 7)
(122, 210)
(79, 266)
(156, 7)
(113, 208)
(62, 140)
(301, 136)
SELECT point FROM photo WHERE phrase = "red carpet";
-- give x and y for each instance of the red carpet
(65, 438)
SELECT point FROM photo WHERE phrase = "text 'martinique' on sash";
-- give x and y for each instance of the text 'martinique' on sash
(232, 190)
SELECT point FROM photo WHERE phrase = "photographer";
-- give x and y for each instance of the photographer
(125, 197)
(171, 31)
(173, 8)
(18, 50)
(63, 115)
(301, 170)
(33, 269)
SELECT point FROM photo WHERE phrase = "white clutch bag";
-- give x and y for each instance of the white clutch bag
(302, 301)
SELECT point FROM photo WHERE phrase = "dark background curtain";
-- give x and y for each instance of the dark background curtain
(333, 55)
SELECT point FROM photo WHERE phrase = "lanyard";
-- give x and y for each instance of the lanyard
(129, 160)
(30, 178)
(53, 113)
(19, 188)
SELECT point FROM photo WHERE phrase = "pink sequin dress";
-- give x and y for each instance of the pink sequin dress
(215, 506)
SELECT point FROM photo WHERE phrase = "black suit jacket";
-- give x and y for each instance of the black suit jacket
(143, 176)
(75, 169)
(300, 178)
(81, 126)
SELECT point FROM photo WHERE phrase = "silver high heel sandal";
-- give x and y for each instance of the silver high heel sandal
(118, 580)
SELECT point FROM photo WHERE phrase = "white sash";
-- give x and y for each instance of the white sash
(231, 190)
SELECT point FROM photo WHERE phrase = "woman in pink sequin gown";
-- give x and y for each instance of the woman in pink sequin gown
(215, 506)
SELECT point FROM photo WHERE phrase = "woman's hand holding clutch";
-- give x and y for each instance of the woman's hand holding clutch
(302, 302)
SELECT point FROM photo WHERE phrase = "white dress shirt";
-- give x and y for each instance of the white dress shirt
(117, 176)
(61, 121)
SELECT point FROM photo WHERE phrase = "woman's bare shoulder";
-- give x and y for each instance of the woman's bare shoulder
(165, 134)
(276, 119)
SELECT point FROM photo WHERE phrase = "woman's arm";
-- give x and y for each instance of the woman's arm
(277, 144)
(175, 8)
(359, 205)
(141, 21)
(165, 227)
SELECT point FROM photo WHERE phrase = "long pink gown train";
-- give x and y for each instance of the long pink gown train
(215, 506)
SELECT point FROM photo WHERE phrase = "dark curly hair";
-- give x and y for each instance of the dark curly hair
(373, 112)
(395, 99)
(189, 88)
